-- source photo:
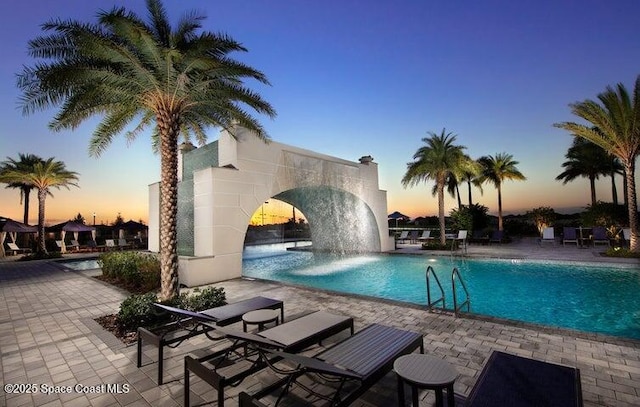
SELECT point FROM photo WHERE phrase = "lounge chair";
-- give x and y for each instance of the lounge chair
(516, 381)
(599, 236)
(292, 336)
(15, 249)
(74, 245)
(404, 236)
(122, 244)
(361, 360)
(425, 236)
(569, 235)
(626, 234)
(110, 244)
(460, 241)
(190, 324)
(497, 236)
(548, 236)
(413, 236)
(480, 237)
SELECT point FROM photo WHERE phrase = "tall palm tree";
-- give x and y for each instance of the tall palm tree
(495, 170)
(467, 170)
(25, 162)
(436, 161)
(585, 159)
(615, 126)
(43, 176)
(178, 80)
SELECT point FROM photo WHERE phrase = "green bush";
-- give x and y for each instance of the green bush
(208, 298)
(138, 310)
(621, 252)
(140, 270)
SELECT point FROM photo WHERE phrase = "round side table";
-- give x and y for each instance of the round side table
(425, 372)
(260, 317)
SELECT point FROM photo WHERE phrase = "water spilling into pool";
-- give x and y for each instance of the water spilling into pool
(583, 296)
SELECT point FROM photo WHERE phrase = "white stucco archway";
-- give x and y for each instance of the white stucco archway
(225, 182)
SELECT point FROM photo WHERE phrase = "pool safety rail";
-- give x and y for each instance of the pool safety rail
(455, 275)
(432, 304)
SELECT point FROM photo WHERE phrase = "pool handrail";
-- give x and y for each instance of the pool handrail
(467, 301)
(431, 304)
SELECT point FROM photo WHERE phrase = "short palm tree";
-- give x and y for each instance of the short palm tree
(179, 81)
(587, 160)
(436, 160)
(43, 176)
(495, 170)
(24, 163)
(615, 126)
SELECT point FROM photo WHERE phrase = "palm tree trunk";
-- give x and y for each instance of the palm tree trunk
(592, 183)
(25, 218)
(500, 226)
(443, 239)
(458, 195)
(625, 186)
(630, 171)
(42, 247)
(169, 129)
(614, 190)
(470, 200)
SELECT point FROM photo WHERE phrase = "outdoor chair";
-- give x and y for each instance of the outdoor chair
(569, 235)
(497, 236)
(425, 236)
(479, 237)
(548, 236)
(189, 324)
(110, 244)
(626, 234)
(459, 242)
(404, 236)
(122, 244)
(15, 249)
(599, 236)
(74, 245)
(352, 366)
(413, 236)
(516, 381)
(292, 336)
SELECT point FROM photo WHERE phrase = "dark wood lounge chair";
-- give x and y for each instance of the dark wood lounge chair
(292, 336)
(190, 324)
(516, 381)
(356, 364)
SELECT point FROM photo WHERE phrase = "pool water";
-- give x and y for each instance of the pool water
(80, 265)
(583, 296)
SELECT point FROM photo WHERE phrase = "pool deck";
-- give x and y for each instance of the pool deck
(48, 337)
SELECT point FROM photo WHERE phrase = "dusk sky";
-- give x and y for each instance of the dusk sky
(354, 78)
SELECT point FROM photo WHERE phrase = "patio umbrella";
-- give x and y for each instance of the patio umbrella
(397, 215)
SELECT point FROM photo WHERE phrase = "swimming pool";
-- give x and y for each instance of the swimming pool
(81, 264)
(582, 296)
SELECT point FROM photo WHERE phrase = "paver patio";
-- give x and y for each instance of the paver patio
(48, 338)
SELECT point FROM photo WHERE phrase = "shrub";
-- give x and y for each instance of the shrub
(208, 298)
(139, 270)
(138, 310)
(621, 252)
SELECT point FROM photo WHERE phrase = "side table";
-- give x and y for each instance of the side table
(260, 317)
(425, 372)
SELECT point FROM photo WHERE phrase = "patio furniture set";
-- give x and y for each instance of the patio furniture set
(346, 369)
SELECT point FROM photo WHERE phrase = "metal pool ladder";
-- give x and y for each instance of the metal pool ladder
(432, 304)
(455, 275)
(456, 309)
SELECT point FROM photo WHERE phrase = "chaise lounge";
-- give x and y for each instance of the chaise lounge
(355, 364)
(516, 381)
(292, 336)
(190, 324)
